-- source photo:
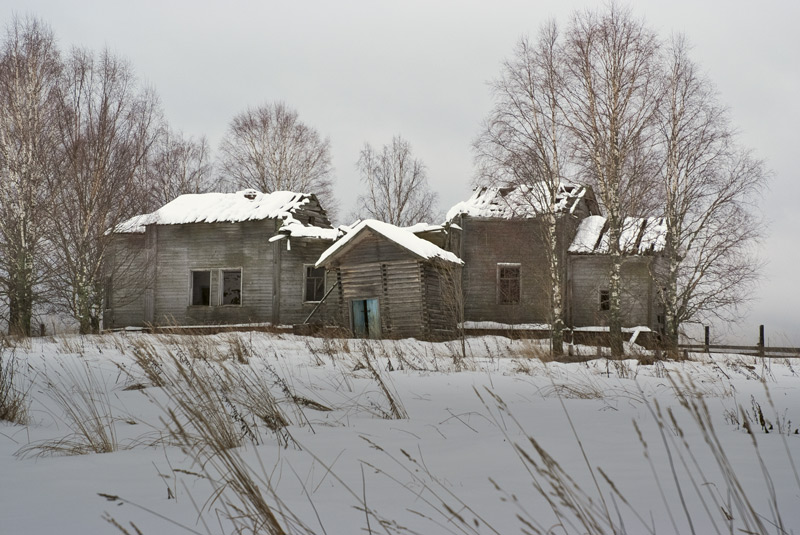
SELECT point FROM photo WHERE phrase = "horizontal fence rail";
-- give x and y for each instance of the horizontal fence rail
(758, 351)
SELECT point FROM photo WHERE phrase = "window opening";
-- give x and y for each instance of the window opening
(605, 300)
(232, 287)
(314, 287)
(508, 284)
(201, 288)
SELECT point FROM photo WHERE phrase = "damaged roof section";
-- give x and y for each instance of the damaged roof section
(640, 235)
(521, 201)
(245, 205)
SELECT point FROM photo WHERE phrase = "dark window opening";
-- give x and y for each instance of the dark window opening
(605, 300)
(314, 284)
(232, 287)
(508, 284)
(107, 289)
(201, 288)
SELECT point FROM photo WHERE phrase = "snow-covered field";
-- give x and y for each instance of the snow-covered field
(499, 442)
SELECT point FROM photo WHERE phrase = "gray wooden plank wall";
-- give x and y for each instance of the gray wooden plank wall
(589, 274)
(126, 267)
(487, 242)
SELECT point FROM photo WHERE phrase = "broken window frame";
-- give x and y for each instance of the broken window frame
(233, 297)
(319, 291)
(509, 283)
(605, 300)
(193, 298)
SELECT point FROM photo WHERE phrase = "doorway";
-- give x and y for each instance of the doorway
(366, 318)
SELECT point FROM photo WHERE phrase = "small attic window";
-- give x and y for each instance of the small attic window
(311, 221)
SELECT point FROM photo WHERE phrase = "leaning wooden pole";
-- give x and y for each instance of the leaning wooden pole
(335, 284)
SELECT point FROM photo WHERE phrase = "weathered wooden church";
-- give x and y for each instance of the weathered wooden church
(250, 257)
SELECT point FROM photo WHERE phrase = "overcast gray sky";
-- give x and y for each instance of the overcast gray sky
(361, 71)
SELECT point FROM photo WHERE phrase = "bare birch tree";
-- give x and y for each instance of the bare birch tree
(107, 126)
(270, 149)
(612, 94)
(29, 71)
(397, 185)
(523, 144)
(710, 188)
(178, 165)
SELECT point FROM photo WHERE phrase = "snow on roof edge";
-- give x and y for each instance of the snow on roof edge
(245, 205)
(402, 237)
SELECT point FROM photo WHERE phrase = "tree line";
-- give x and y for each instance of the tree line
(84, 145)
(606, 102)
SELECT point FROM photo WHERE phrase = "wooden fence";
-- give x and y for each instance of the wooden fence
(756, 351)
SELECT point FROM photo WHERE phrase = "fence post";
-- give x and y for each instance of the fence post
(761, 340)
(708, 338)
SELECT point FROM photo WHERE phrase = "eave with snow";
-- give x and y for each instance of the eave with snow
(404, 238)
(245, 205)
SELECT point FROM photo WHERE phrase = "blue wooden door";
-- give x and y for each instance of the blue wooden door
(373, 319)
(359, 318)
(366, 318)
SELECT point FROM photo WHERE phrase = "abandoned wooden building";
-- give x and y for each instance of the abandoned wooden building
(220, 258)
(394, 284)
(248, 257)
(498, 234)
(589, 266)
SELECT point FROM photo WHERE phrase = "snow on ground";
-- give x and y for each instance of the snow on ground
(468, 445)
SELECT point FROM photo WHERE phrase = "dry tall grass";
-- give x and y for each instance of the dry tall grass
(396, 409)
(13, 396)
(85, 408)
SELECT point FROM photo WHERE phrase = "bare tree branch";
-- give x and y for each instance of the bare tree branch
(178, 165)
(268, 148)
(397, 185)
(108, 125)
(29, 72)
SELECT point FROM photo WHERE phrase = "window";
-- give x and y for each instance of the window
(107, 292)
(231, 287)
(508, 284)
(605, 300)
(314, 284)
(201, 288)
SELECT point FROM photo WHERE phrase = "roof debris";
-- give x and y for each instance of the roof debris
(640, 235)
(520, 201)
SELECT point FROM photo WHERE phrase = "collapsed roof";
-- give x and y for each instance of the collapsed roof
(640, 235)
(522, 201)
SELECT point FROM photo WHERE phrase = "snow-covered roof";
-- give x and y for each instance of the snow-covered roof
(295, 229)
(246, 205)
(640, 235)
(402, 237)
(423, 227)
(520, 201)
(134, 225)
